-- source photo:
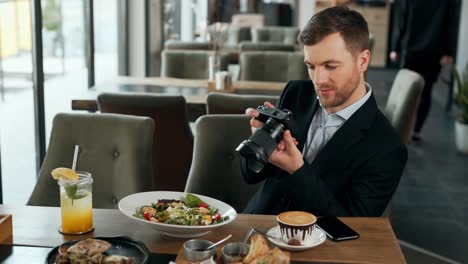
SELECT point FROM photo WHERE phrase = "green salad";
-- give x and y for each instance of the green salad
(192, 212)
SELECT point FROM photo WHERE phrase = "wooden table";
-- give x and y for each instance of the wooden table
(166, 81)
(37, 226)
(194, 91)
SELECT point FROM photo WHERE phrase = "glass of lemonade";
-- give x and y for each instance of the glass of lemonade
(76, 202)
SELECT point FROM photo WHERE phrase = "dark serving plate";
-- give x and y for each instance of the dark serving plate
(121, 245)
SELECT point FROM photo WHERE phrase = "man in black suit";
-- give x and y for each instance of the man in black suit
(424, 37)
(347, 159)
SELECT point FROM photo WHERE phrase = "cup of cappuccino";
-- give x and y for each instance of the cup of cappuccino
(296, 226)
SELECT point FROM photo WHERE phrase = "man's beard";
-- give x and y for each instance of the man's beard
(340, 96)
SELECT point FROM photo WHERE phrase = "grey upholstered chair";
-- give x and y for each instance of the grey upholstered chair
(285, 35)
(189, 64)
(173, 44)
(265, 46)
(403, 101)
(215, 170)
(237, 35)
(115, 149)
(222, 103)
(401, 107)
(173, 139)
(274, 66)
(371, 42)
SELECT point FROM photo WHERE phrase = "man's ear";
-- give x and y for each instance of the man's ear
(363, 60)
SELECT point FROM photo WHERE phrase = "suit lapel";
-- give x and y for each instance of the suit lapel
(350, 133)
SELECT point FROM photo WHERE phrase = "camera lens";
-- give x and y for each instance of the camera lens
(261, 144)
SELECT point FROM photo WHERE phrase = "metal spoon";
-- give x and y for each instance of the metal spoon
(219, 242)
(247, 235)
(267, 235)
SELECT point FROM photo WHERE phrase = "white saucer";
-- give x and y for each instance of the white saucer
(318, 237)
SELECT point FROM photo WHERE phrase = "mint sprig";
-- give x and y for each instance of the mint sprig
(71, 191)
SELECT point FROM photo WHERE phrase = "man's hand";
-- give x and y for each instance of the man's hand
(253, 113)
(287, 156)
(394, 56)
(446, 60)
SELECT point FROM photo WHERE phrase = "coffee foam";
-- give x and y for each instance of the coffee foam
(297, 218)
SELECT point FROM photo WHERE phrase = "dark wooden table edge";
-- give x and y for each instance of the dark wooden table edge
(194, 110)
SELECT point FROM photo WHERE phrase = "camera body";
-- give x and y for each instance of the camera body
(285, 117)
(264, 140)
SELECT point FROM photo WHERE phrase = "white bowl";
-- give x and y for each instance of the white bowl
(130, 203)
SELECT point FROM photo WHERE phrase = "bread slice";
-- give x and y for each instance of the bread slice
(279, 256)
(274, 256)
(258, 247)
(89, 247)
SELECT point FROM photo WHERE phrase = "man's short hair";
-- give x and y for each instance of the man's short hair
(339, 19)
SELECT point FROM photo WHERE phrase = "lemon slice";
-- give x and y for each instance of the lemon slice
(64, 173)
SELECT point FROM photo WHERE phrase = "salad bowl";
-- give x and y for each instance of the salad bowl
(130, 204)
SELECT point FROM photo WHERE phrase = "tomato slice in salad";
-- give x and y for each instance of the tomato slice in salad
(216, 217)
(147, 216)
(204, 205)
(179, 212)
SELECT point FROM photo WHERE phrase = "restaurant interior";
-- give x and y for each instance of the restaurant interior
(149, 97)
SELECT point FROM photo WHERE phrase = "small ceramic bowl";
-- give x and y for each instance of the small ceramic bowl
(232, 252)
(195, 250)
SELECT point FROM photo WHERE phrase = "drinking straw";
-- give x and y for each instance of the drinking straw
(75, 156)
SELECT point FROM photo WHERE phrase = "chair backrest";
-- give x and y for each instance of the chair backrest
(402, 105)
(274, 66)
(115, 149)
(237, 35)
(371, 42)
(285, 35)
(403, 101)
(173, 44)
(189, 64)
(173, 139)
(222, 103)
(265, 46)
(215, 170)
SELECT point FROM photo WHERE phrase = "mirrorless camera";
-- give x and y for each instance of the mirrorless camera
(258, 147)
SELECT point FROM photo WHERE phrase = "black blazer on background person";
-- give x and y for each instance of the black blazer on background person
(355, 173)
(423, 31)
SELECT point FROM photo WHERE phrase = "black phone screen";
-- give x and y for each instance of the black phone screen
(335, 229)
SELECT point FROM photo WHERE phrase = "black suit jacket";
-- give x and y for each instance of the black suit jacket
(424, 30)
(355, 173)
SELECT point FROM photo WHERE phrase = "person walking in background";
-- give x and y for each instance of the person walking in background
(423, 38)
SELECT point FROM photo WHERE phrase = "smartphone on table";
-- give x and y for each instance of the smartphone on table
(335, 229)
